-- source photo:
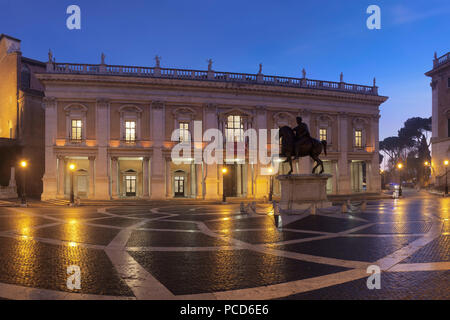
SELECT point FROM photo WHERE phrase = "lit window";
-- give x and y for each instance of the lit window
(130, 131)
(358, 138)
(76, 129)
(323, 134)
(184, 131)
(234, 129)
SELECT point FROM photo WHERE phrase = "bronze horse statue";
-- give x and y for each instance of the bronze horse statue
(291, 147)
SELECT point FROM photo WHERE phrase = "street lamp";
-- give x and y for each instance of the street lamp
(24, 165)
(400, 191)
(446, 180)
(72, 169)
(271, 183)
(224, 198)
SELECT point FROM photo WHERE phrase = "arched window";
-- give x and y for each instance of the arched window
(25, 77)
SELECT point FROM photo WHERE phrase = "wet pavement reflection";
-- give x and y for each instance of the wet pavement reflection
(195, 249)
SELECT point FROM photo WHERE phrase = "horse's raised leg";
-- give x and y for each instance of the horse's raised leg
(318, 163)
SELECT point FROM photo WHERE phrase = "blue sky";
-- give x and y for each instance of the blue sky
(324, 37)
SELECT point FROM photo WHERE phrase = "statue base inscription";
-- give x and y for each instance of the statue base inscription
(301, 192)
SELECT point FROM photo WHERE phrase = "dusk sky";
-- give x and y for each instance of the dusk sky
(324, 37)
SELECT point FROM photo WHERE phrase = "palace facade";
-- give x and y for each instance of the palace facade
(115, 124)
(440, 140)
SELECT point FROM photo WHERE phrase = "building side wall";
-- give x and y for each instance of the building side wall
(9, 63)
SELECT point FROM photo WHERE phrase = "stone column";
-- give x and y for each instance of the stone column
(114, 177)
(12, 178)
(343, 164)
(238, 180)
(158, 133)
(261, 185)
(212, 181)
(245, 180)
(49, 180)
(145, 176)
(61, 175)
(375, 181)
(168, 176)
(193, 178)
(199, 181)
(91, 177)
(102, 136)
(335, 177)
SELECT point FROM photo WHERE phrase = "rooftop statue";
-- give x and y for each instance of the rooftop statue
(158, 61)
(210, 62)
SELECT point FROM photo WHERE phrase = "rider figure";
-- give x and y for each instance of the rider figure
(301, 130)
(301, 134)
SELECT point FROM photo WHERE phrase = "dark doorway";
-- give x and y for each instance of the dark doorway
(230, 180)
(179, 186)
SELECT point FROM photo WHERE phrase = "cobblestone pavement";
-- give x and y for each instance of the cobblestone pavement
(205, 251)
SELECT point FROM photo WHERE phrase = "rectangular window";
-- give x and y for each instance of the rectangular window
(234, 130)
(76, 129)
(184, 131)
(323, 134)
(130, 131)
(358, 138)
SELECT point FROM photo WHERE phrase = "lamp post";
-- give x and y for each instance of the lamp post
(446, 180)
(72, 169)
(224, 171)
(271, 184)
(400, 167)
(24, 165)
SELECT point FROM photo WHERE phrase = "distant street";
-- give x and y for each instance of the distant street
(199, 251)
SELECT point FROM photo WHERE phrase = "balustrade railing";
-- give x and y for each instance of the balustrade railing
(157, 72)
(441, 60)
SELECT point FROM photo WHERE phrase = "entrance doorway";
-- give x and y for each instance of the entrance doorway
(130, 186)
(358, 176)
(230, 180)
(179, 186)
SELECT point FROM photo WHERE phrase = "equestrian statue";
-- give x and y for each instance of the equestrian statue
(297, 142)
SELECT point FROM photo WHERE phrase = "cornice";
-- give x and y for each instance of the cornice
(234, 88)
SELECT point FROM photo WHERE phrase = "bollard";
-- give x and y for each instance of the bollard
(313, 209)
(242, 208)
(276, 214)
(344, 208)
(363, 205)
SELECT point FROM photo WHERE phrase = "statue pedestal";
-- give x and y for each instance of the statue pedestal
(302, 192)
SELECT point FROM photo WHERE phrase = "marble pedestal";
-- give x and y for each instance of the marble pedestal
(302, 192)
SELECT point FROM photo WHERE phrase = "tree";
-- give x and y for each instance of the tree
(411, 146)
